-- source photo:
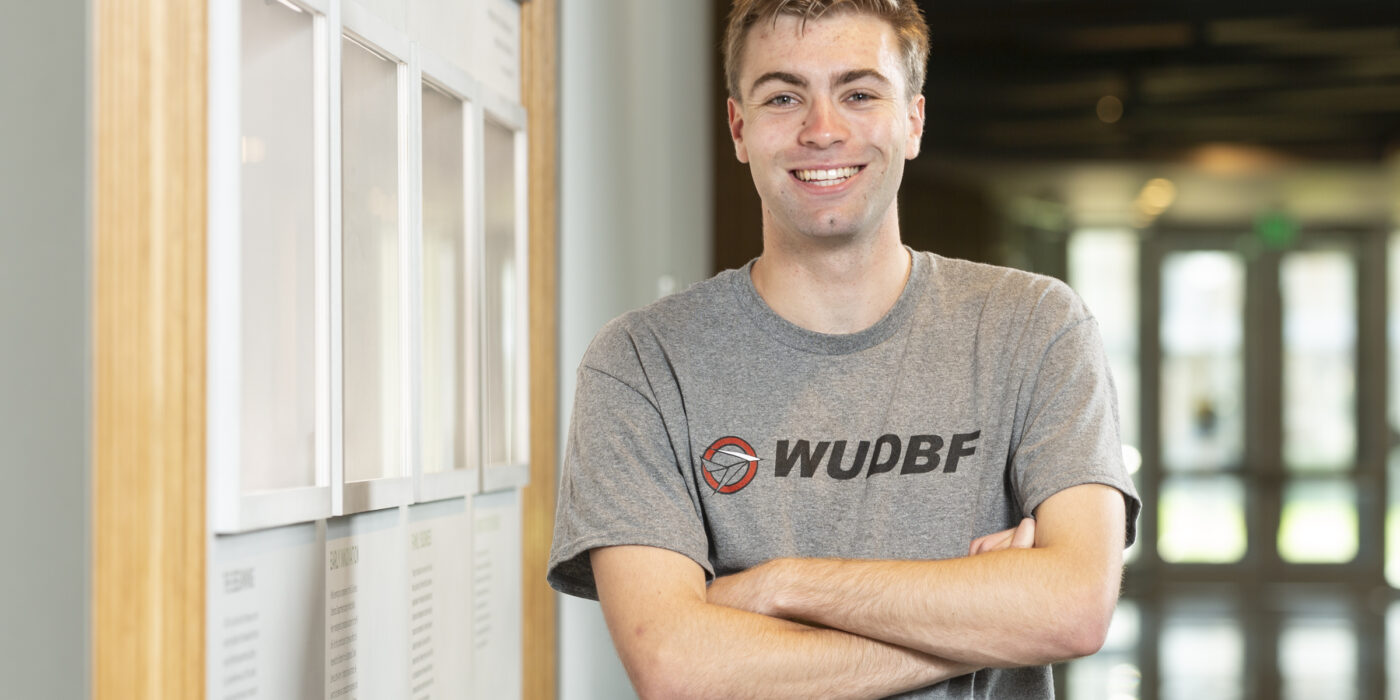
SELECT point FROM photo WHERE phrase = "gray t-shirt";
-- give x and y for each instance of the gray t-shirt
(708, 425)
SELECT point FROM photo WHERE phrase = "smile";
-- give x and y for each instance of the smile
(827, 178)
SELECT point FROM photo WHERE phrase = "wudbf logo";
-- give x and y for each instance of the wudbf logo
(729, 464)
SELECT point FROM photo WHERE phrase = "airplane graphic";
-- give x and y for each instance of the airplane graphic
(730, 473)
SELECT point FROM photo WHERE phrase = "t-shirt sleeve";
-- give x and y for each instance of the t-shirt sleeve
(1069, 427)
(622, 482)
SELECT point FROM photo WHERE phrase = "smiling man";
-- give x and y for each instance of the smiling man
(848, 469)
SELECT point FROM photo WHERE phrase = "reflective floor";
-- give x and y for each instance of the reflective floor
(1284, 644)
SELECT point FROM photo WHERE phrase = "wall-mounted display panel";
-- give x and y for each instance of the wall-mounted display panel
(496, 27)
(392, 13)
(505, 345)
(375, 259)
(495, 590)
(449, 440)
(438, 26)
(268, 435)
(438, 577)
(265, 606)
(367, 350)
(364, 606)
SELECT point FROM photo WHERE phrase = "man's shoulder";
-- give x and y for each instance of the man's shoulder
(999, 289)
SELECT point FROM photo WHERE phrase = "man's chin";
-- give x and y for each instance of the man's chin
(833, 227)
(834, 230)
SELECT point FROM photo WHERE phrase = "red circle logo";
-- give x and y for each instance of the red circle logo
(729, 464)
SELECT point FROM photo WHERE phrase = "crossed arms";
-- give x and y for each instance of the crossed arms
(872, 627)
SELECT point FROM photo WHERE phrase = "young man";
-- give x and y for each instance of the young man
(810, 477)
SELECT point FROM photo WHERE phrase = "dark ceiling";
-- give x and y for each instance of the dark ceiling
(1038, 79)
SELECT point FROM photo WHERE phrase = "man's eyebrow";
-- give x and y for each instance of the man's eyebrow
(852, 76)
(780, 76)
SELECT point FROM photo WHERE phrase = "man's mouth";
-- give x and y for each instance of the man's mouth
(827, 178)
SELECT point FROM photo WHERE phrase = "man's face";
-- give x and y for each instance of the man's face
(825, 124)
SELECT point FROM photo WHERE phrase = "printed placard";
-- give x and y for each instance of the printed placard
(438, 601)
(364, 603)
(498, 47)
(265, 615)
(496, 611)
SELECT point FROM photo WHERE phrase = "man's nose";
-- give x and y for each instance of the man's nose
(824, 126)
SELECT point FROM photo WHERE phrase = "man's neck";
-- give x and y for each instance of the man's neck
(833, 288)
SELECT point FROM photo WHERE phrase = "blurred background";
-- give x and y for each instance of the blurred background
(1220, 181)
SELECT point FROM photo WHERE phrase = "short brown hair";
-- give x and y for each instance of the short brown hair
(903, 16)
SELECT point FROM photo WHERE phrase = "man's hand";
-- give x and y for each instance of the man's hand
(1020, 537)
(745, 590)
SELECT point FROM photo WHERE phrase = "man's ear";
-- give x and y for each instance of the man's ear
(736, 131)
(916, 128)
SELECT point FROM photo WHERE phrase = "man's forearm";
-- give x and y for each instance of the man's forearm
(722, 652)
(1006, 608)
(1002, 609)
(675, 644)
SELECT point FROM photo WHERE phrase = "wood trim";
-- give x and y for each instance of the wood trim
(148, 349)
(539, 47)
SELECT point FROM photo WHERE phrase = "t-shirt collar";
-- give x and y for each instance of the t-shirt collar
(768, 321)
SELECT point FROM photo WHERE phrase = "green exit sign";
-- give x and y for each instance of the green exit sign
(1276, 229)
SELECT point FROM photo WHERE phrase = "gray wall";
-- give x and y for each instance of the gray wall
(44, 350)
(635, 119)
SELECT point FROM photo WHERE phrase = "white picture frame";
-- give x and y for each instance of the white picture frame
(360, 26)
(448, 80)
(235, 502)
(513, 471)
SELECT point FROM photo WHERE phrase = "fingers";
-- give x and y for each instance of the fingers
(991, 543)
(1024, 537)
(1020, 537)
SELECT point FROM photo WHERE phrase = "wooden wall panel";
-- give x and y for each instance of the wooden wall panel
(539, 28)
(148, 349)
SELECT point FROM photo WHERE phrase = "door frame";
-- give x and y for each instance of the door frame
(1253, 585)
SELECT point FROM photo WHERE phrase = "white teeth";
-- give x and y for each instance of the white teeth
(826, 177)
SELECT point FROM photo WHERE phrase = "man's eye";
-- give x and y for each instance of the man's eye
(782, 101)
(861, 97)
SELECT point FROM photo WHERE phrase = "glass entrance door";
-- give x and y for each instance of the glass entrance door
(1259, 413)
